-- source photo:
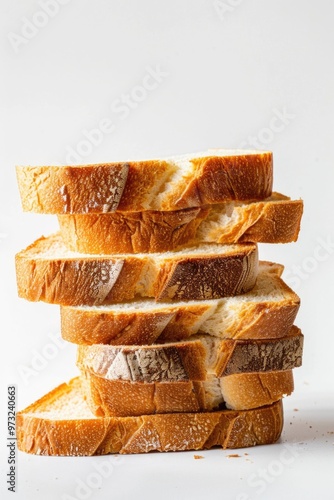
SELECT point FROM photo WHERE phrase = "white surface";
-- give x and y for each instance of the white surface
(223, 80)
(299, 466)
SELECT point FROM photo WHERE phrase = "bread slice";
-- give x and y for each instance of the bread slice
(274, 220)
(267, 311)
(47, 271)
(168, 184)
(244, 391)
(191, 360)
(61, 424)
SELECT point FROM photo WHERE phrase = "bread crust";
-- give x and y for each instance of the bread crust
(147, 185)
(131, 232)
(191, 360)
(73, 434)
(244, 391)
(267, 311)
(251, 390)
(46, 271)
(164, 362)
(275, 220)
(266, 355)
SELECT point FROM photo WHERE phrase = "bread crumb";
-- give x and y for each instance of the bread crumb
(198, 457)
(234, 455)
(295, 409)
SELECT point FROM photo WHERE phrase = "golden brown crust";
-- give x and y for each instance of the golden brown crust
(100, 326)
(241, 391)
(251, 390)
(88, 188)
(270, 317)
(275, 220)
(46, 271)
(131, 232)
(278, 222)
(136, 186)
(192, 360)
(76, 435)
(123, 398)
(215, 179)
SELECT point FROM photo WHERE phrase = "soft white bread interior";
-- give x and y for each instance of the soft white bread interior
(167, 184)
(194, 359)
(243, 391)
(61, 424)
(267, 311)
(274, 220)
(47, 271)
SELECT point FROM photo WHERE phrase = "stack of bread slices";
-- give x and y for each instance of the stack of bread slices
(185, 339)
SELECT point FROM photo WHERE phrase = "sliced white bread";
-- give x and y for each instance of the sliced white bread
(167, 184)
(275, 220)
(193, 359)
(61, 424)
(47, 271)
(243, 391)
(267, 311)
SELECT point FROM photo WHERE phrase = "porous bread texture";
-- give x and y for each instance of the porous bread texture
(124, 398)
(179, 182)
(274, 220)
(267, 311)
(191, 360)
(47, 271)
(61, 424)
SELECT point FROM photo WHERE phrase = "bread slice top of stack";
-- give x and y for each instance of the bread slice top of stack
(168, 184)
(163, 251)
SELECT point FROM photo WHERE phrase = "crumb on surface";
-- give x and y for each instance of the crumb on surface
(198, 457)
(234, 455)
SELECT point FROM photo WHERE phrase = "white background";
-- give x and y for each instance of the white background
(226, 70)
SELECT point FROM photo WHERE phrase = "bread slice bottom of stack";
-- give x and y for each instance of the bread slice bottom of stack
(186, 341)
